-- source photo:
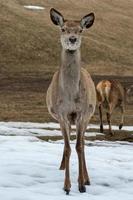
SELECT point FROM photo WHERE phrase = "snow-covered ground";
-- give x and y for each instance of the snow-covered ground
(31, 7)
(30, 129)
(29, 167)
(29, 170)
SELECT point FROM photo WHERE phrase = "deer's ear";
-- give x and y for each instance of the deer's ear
(56, 17)
(87, 20)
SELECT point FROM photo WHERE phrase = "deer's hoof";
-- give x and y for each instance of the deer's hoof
(120, 126)
(87, 182)
(67, 191)
(111, 133)
(101, 129)
(62, 167)
(82, 189)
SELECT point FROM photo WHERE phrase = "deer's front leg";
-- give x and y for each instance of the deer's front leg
(67, 152)
(62, 165)
(80, 152)
(86, 176)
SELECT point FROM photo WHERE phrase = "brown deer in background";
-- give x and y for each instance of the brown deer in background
(71, 96)
(110, 95)
(130, 95)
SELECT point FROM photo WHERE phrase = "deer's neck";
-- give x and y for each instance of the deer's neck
(70, 71)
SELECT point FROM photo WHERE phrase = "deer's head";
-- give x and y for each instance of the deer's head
(71, 30)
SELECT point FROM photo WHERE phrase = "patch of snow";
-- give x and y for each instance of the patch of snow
(29, 170)
(29, 125)
(93, 134)
(126, 128)
(53, 125)
(27, 132)
(98, 143)
(31, 7)
(29, 129)
(107, 143)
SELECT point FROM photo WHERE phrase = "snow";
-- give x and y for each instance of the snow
(30, 129)
(54, 125)
(126, 128)
(29, 170)
(30, 125)
(31, 7)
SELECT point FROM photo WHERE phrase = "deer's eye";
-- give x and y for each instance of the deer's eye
(80, 30)
(63, 30)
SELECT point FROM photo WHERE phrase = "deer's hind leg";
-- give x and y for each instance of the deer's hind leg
(109, 122)
(101, 118)
(100, 99)
(109, 113)
(122, 116)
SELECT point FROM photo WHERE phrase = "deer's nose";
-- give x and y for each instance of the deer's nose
(72, 39)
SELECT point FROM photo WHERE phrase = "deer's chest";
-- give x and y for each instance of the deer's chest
(69, 100)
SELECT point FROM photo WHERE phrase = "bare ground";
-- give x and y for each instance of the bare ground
(24, 99)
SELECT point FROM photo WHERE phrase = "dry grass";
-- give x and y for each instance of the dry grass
(28, 38)
(30, 50)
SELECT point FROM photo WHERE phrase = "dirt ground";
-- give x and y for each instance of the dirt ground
(23, 99)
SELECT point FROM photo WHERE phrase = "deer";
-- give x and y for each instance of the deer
(130, 94)
(110, 95)
(71, 96)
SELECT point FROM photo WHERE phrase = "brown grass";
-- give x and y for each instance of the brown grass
(30, 43)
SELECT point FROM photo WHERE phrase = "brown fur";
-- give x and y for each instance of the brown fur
(110, 95)
(130, 95)
(71, 98)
